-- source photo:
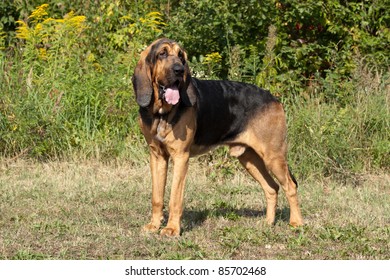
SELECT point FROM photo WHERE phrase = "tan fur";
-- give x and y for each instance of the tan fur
(261, 148)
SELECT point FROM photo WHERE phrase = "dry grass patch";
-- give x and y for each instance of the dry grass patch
(91, 210)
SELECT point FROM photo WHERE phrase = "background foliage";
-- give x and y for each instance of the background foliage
(65, 71)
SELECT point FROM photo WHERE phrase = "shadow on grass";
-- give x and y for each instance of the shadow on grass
(195, 218)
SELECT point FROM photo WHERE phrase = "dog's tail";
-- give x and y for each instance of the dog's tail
(292, 177)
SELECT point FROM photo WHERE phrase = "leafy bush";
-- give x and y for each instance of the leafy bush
(61, 101)
(328, 137)
(65, 71)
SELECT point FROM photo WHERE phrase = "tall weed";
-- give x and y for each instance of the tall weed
(66, 94)
(59, 100)
(345, 135)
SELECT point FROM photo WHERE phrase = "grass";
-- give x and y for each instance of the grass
(95, 210)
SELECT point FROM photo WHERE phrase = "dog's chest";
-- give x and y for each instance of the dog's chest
(162, 130)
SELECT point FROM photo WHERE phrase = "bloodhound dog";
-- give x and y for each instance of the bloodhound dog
(181, 116)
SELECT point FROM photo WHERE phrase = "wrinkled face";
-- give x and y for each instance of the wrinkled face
(168, 62)
(163, 65)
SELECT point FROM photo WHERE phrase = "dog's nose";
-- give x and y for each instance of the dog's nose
(178, 69)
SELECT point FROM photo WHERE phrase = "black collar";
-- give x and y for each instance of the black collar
(161, 91)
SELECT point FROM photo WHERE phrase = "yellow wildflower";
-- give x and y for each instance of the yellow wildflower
(38, 28)
(91, 57)
(48, 20)
(77, 21)
(39, 13)
(73, 21)
(42, 53)
(22, 31)
(214, 57)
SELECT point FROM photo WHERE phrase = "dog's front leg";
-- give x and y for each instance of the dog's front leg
(159, 167)
(180, 167)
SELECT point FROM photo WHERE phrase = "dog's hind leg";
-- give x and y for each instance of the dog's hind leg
(278, 167)
(266, 135)
(254, 164)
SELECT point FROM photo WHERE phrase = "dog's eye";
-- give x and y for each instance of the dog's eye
(181, 56)
(163, 54)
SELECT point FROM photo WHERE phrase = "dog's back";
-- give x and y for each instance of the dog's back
(224, 108)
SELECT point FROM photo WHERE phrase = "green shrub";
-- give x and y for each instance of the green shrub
(59, 100)
(65, 70)
(331, 137)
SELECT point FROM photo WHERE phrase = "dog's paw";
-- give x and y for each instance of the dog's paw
(170, 232)
(150, 228)
(296, 223)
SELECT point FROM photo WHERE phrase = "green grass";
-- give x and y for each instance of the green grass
(92, 210)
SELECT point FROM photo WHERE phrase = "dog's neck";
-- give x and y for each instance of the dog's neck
(160, 106)
(163, 114)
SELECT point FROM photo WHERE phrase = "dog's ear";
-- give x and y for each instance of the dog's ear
(189, 93)
(142, 81)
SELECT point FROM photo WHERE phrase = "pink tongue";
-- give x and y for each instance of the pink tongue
(172, 95)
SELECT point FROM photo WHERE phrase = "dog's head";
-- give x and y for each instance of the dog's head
(163, 66)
